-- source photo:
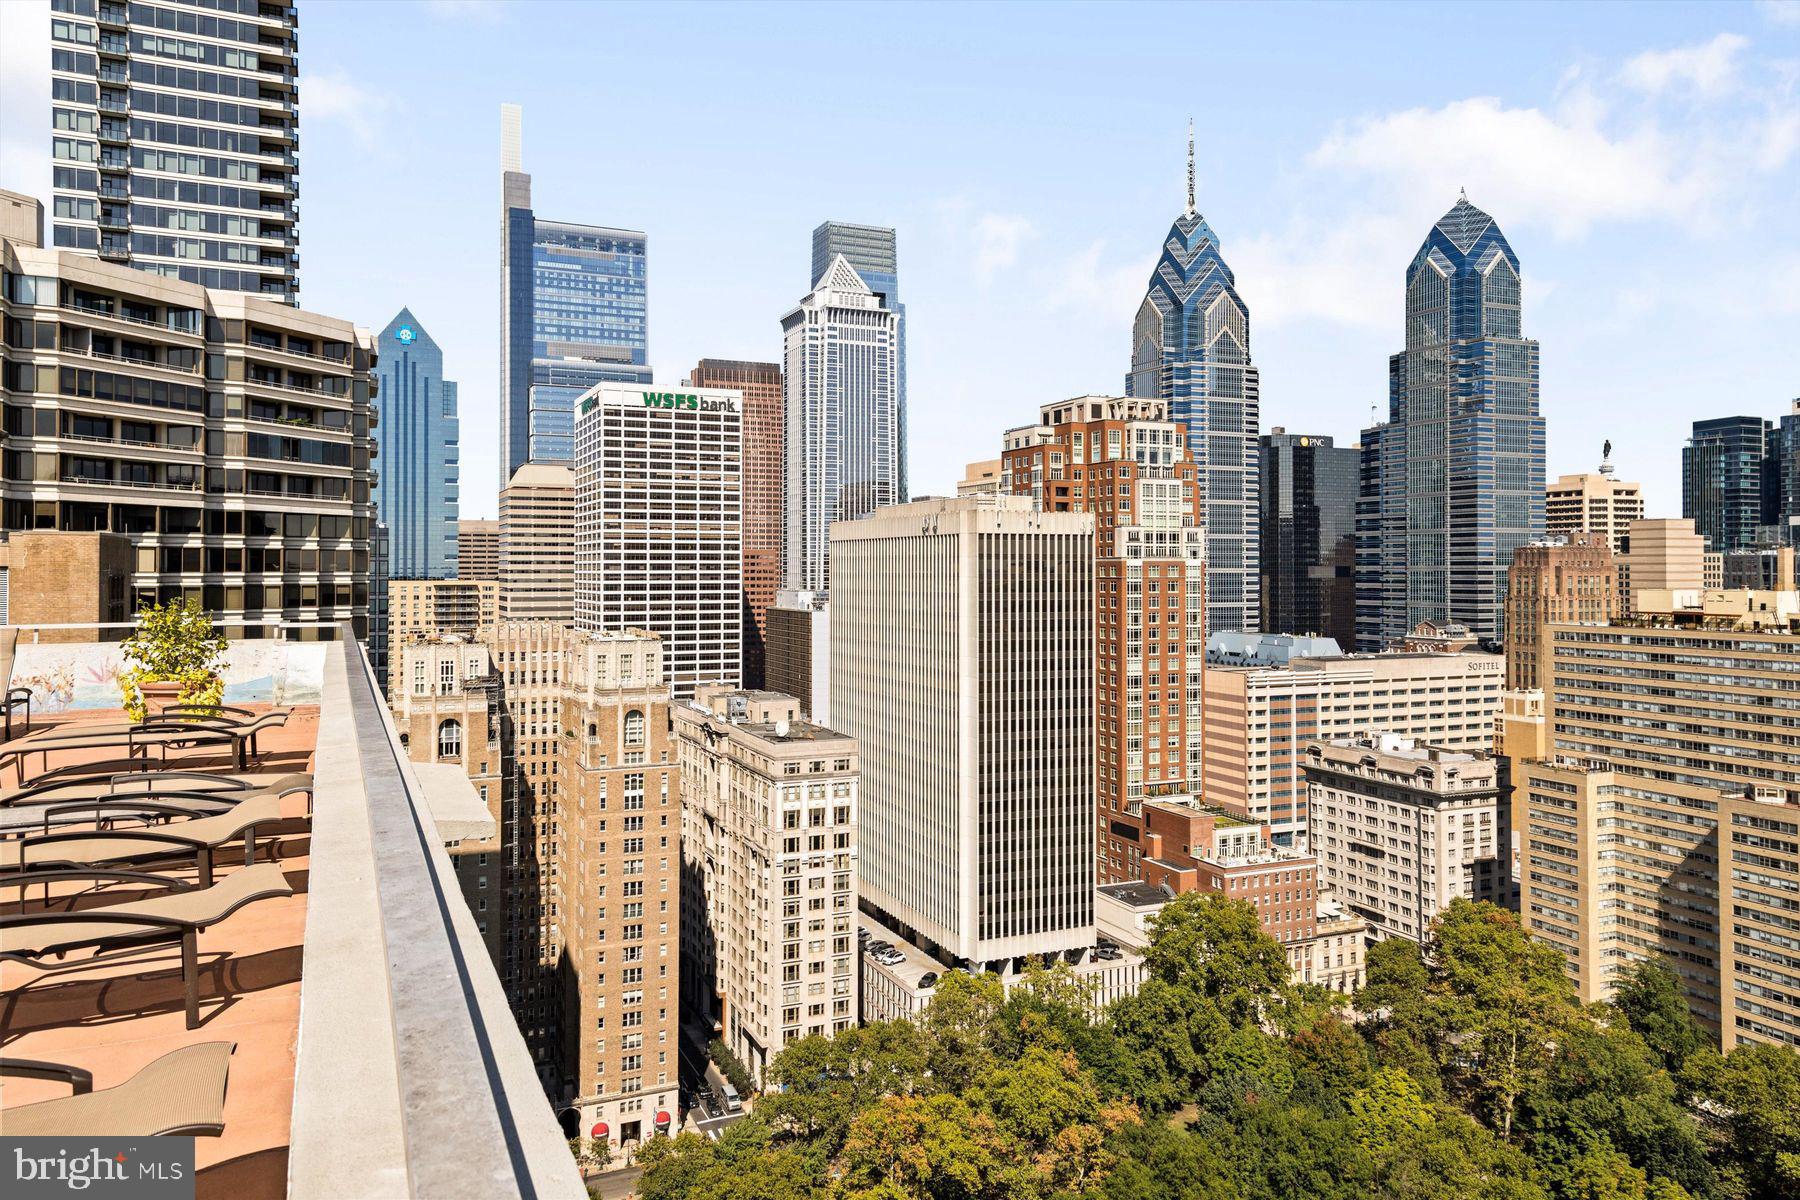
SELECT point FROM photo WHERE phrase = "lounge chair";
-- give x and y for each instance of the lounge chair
(196, 838)
(180, 1094)
(120, 929)
(137, 738)
(108, 783)
(16, 698)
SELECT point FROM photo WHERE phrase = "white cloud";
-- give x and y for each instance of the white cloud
(1708, 68)
(1780, 12)
(1096, 283)
(998, 237)
(333, 96)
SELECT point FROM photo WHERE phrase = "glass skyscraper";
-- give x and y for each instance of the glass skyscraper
(174, 132)
(1460, 484)
(874, 251)
(845, 449)
(1308, 553)
(416, 489)
(573, 313)
(1731, 480)
(1191, 347)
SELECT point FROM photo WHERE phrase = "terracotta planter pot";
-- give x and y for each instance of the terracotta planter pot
(159, 695)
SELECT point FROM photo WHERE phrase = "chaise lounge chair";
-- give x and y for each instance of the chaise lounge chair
(180, 1094)
(196, 838)
(120, 929)
(136, 739)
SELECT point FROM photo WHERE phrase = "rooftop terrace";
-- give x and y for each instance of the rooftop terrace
(373, 1054)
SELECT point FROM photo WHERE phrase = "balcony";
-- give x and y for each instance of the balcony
(372, 1050)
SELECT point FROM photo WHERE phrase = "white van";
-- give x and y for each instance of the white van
(733, 1102)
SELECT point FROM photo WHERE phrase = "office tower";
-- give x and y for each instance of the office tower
(438, 607)
(380, 573)
(477, 549)
(980, 478)
(1555, 581)
(1128, 464)
(962, 661)
(416, 494)
(1731, 480)
(659, 525)
(573, 313)
(799, 651)
(846, 424)
(1461, 484)
(1259, 718)
(1671, 830)
(1308, 552)
(760, 386)
(1661, 554)
(174, 134)
(537, 545)
(1403, 828)
(768, 853)
(1190, 346)
(872, 251)
(1786, 446)
(1593, 501)
(1377, 607)
(172, 413)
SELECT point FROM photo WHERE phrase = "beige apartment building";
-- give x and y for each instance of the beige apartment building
(1663, 555)
(537, 545)
(478, 549)
(768, 845)
(980, 478)
(422, 607)
(1567, 580)
(226, 435)
(1593, 502)
(1401, 829)
(1663, 817)
(1259, 720)
(566, 735)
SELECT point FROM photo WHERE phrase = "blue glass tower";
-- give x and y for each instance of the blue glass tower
(1461, 481)
(573, 312)
(1191, 347)
(416, 465)
(1731, 480)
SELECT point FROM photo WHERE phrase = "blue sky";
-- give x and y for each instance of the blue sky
(1644, 161)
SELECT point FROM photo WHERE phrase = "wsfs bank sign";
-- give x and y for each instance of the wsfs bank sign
(687, 400)
(33, 1168)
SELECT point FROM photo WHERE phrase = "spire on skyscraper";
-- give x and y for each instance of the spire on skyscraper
(1190, 207)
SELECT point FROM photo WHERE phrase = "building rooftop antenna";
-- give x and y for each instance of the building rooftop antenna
(1190, 204)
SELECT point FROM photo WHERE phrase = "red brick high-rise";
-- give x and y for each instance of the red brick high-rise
(1125, 462)
(760, 382)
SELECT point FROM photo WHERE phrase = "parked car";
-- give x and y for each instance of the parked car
(733, 1102)
(928, 980)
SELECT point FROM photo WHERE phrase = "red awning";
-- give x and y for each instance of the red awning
(599, 1129)
(662, 1118)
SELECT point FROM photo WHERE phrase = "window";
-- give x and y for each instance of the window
(634, 728)
(449, 740)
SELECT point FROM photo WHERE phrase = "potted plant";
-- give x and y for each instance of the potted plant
(172, 657)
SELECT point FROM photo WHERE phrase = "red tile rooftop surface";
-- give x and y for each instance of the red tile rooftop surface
(112, 1019)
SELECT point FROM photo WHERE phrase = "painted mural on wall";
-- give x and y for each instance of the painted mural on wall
(69, 678)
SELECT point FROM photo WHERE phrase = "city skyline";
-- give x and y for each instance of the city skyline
(1683, 126)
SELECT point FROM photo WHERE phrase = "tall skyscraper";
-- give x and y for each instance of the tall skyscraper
(1308, 552)
(1125, 462)
(1787, 450)
(417, 485)
(573, 313)
(1731, 480)
(846, 432)
(226, 434)
(962, 661)
(1462, 482)
(659, 525)
(174, 131)
(874, 251)
(1190, 346)
(760, 385)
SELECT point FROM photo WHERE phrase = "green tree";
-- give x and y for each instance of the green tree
(1391, 1107)
(1217, 949)
(174, 642)
(1648, 995)
(822, 1083)
(1755, 1093)
(959, 1027)
(731, 1067)
(1166, 1032)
